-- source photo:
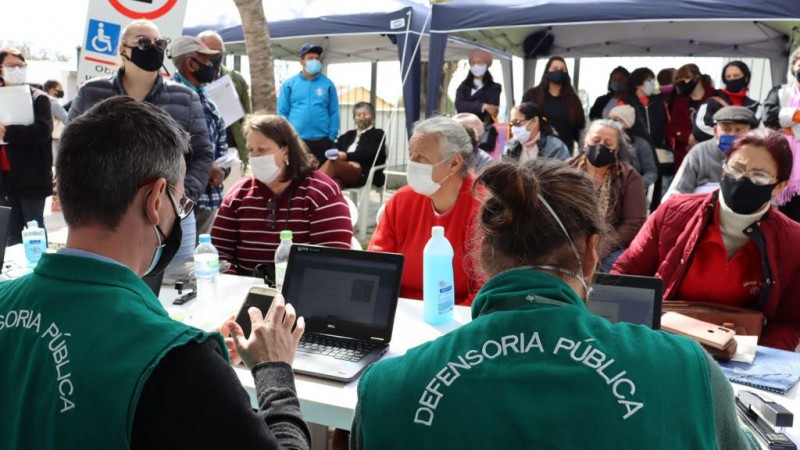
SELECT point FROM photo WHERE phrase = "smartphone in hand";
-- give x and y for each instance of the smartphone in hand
(258, 296)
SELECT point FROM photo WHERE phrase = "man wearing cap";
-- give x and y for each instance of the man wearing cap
(309, 102)
(643, 158)
(701, 169)
(192, 58)
(235, 131)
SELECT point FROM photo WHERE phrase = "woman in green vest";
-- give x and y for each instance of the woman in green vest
(534, 368)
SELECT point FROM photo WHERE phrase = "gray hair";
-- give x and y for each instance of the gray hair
(625, 151)
(212, 34)
(452, 136)
(109, 153)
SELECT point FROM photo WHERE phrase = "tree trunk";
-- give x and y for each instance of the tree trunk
(259, 52)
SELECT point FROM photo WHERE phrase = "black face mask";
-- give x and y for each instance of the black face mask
(744, 197)
(557, 76)
(149, 60)
(600, 155)
(797, 75)
(205, 74)
(172, 244)
(736, 85)
(687, 88)
(59, 94)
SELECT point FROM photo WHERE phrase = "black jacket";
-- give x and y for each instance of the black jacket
(29, 151)
(466, 102)
(651, 121)
(180, 102)
(777, 98)
(365, 152)
(711, 108)
(596, 112)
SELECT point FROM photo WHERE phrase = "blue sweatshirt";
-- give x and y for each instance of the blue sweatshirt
(311, 106)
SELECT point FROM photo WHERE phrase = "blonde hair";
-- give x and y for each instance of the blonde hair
(138, 23)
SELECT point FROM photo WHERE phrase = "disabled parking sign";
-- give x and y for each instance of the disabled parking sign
(102, 37)
(105, 21)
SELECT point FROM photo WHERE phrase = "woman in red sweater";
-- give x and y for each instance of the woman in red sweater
(286, 192)
(732, 246)
(439, 192)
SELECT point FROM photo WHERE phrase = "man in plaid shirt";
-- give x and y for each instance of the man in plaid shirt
(192, 58)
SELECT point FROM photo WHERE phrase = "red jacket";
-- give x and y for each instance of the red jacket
(665, 245)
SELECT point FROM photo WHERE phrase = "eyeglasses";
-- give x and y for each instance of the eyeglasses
(272, 214)
(145, 43)
(758, 177)
(184, 206)
(517, 123)
(15, 66)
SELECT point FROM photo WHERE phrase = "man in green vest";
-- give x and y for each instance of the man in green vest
(535, 369)
(91, 360)
(236, 137)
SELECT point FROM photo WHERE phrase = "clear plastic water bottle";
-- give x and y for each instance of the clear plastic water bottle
(206, 265)
(282, 258)
(438, 289)
(34, 241)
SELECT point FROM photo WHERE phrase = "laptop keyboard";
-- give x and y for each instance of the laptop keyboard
(344, 349)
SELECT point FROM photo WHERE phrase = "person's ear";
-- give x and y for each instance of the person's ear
(458, 160)
(780, 187)
(153, 197)
(591, 258)
(535, 122)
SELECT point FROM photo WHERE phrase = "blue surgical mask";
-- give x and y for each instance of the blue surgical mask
(726, 142)
(314, 66)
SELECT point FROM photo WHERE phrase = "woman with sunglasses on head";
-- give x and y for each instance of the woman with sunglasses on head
(286, 192)
(142, 52)
(732, 246)
(26, 154)
(533, 136)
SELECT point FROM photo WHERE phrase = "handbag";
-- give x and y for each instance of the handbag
(488, 139)
(746, 322)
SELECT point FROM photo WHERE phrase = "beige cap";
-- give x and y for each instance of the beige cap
(187, 44)
(626, 113)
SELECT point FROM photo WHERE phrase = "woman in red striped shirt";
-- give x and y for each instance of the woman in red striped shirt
(286, 192)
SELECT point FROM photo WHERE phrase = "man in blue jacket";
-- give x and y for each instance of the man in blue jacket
(309, 102)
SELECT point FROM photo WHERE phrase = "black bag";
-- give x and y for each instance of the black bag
(488, 139)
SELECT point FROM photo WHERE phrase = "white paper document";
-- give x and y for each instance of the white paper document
(223, 93)
(227, 160)
(16, 105)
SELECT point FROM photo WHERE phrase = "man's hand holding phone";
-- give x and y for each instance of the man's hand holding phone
(273, 338)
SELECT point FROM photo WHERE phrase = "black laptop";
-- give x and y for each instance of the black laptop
(627, 298)
(348, 299)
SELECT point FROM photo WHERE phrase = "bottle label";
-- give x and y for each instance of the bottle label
(206, 267)
(280, 273)
(446, 297)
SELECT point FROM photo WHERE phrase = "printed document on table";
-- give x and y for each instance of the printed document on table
(223, 93)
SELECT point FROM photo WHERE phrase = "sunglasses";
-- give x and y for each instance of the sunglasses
(145, 43)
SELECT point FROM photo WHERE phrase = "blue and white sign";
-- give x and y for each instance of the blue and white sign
(102, 37)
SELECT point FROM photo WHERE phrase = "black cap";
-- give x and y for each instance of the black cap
(738, 114)
(310, 48)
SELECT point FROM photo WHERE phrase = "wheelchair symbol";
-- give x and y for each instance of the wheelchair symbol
(100, 42)
(103, 37)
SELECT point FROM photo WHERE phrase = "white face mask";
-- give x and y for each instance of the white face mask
(649, 87)
(15, 76)
(478, 70)
(264, 168)
(521, 133)
(420, 178)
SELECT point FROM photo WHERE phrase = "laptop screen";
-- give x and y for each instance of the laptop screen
(624, 298)
(343, 292)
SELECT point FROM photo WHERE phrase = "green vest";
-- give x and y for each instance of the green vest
(79, 339)
(535, 369)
